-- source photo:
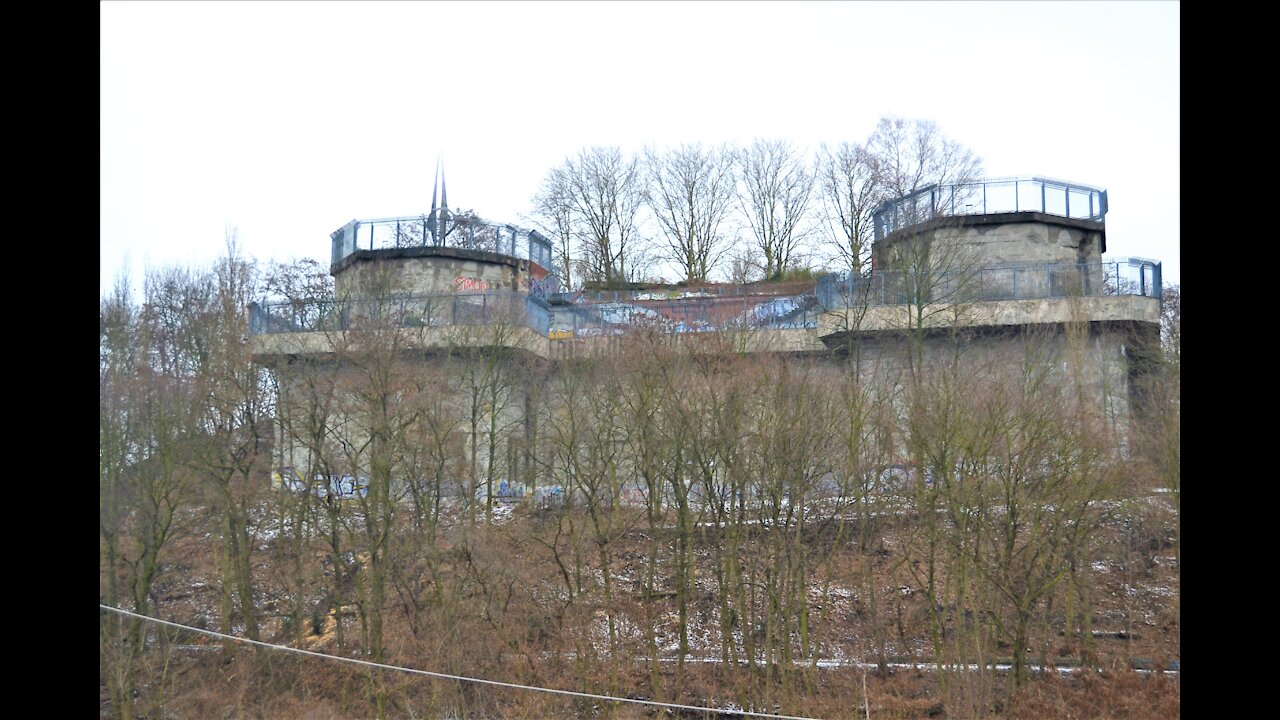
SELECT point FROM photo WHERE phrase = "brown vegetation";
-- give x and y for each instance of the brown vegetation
(802, 536)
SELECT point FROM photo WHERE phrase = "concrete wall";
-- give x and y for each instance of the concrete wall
(1011, 238)
(1078, 339)
(764, 340)
(1098, 356)
(421, 271)
(993, 341)
(1093, 365)
(983, 254)
(1043, 311)
(277, 347)
(335, 396)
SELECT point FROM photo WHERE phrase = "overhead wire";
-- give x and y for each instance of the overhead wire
(459, 678)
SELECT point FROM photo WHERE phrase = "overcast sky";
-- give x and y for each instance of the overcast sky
(287, 120)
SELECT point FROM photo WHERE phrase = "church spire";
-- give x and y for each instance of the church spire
(439, 218)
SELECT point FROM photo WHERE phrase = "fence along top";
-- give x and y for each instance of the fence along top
(992, 196)
(465, 232)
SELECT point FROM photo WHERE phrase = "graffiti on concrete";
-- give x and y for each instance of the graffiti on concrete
(509, 494)
(687, 312)
(548, 496)
(538, 288)
(471, 284)
(344, 487)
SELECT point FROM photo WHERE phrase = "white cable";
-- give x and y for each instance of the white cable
(445, 676)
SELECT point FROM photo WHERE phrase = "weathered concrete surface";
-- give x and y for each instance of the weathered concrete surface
(1002, 239)
(730, 341)
(344, 389)
(429, 270)
(268, 349)
(1096, 360)
(876, 319)
(1045, 311)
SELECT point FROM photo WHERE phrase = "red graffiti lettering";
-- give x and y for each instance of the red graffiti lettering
(469, 284)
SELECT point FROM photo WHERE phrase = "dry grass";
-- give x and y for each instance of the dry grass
(507, 624)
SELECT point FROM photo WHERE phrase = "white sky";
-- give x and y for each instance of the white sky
(289, 119)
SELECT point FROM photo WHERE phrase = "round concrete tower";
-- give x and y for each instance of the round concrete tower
(1019, 237)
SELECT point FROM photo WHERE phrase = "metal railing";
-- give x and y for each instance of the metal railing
(1132, 276)
(435, 310)
(686, 315)
(985, 197)
(443, 230)
(798, 287)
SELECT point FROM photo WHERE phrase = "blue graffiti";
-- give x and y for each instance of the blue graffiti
(537, 288)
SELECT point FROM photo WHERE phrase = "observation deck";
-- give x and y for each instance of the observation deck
(1024, 247)
(1015, 281)
(440, 230)
(997, 196)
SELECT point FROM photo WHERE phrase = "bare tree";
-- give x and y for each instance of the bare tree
(469, 231)
(1162, 407)
(553, 212)
(776, 187)
(488, 384)
(1048, 476)
(1171, 321)
(691, 191)
(149, 406)
(235, 421)
(912, 154)
(742, 266)
(599, 193)
(790, 448)
(849, 184)
(298, 280)
(378, 395)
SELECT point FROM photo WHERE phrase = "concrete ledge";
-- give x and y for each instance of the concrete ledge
(271, 348)
(731, 341)
(875, 319)
(1007, 218)
(1046, 311)
(424, 251)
